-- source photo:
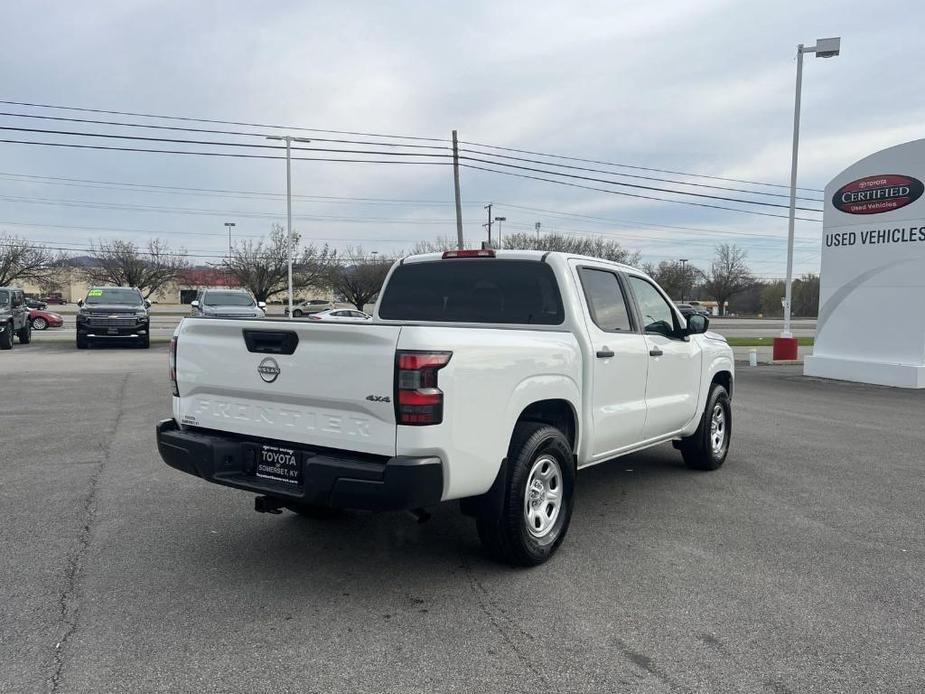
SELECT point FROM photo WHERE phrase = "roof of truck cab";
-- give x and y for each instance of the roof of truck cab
(523, 255)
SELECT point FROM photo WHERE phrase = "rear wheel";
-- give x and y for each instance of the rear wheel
(25, 334)
(537, 503)
(297, 313)
(708, 447)
(6, 337)
(39, 323)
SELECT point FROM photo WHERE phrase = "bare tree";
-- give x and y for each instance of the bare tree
(729, 275)
(124, 264)
(675, 277)
(263, 267)
(359, 277)
(438, 245)
(594, 246)
(22, 260)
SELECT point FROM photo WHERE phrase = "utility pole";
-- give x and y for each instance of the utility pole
(459, 229)
(683, 262)
(537, 227)
(229, 225)
(488, 207)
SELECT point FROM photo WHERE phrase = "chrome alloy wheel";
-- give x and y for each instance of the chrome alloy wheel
(543, 496)
(718, 429)
(39, 323)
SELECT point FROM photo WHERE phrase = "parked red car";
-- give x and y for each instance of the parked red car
(42, 319)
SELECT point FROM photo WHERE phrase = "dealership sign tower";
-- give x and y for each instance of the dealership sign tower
(871, 325)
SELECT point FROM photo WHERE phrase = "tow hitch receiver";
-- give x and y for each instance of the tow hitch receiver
(267, 504)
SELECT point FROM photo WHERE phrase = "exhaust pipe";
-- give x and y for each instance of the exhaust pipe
(267, 504)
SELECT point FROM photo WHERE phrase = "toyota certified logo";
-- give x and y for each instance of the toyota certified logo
(268, 369)
(876, 194)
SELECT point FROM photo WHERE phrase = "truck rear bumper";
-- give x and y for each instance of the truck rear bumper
(337, 479)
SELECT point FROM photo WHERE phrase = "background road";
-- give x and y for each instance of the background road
(165, 318)
(797, 567)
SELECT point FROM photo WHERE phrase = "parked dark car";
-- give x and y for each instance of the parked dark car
(36, 303)
(55, 298)
(113, 313)
(14, 317)
(42, 319)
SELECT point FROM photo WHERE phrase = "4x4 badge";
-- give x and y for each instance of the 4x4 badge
(379, 398)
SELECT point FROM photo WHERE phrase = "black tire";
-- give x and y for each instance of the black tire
(507, 535)
(82, 342)
(297, 313)
(25, 334)
(6, 337)
(700, 451)
(145, 342)
(314, 511)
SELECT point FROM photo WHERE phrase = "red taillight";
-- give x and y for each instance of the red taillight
(172, 365)
(418, 400)
(470, 253)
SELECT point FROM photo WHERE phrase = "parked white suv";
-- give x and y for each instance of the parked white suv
(488, 377)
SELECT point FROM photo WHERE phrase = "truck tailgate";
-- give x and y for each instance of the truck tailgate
(334, 389)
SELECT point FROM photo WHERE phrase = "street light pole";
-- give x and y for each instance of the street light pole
(229, 225)
(499, 220)
(288, 139)
(824, 48)
(683, 262)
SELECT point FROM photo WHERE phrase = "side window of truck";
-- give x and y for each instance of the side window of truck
(658, 317)
(606, 301)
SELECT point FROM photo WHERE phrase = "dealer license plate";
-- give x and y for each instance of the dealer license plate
(279, 464)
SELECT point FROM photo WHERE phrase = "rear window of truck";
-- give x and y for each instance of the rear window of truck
(473, 290)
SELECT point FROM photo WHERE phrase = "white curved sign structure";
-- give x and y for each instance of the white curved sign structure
(871, 325)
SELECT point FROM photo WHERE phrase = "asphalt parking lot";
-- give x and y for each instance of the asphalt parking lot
(797, 567)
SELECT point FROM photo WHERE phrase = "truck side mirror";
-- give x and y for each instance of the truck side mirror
(261, 304)
(80, 302)
(147, 304)
(697, 324)
(194, 303)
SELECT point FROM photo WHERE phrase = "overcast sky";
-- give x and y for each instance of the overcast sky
(694, 86)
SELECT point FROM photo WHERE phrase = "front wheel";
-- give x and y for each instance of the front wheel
(297, 313)
(708, 447)
(82, 342)
(25, 334)
(537, 503)
(39, 323)
(6, 337)
(144, 342)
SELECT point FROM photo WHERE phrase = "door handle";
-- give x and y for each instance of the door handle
(605, 353)
(655, 352)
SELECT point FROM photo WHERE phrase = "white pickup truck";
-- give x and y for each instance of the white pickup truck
(491, 377)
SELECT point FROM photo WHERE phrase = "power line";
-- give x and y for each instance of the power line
(212, 131)
(638, 186)
(209, 212)
(637, 195)
(144, 138)
(633, 166)
(218, 192)
(641, 177)
(233, 155)
(216, 121)
(624, 222)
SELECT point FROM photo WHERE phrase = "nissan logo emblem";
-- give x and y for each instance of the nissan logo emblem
(268, 369)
